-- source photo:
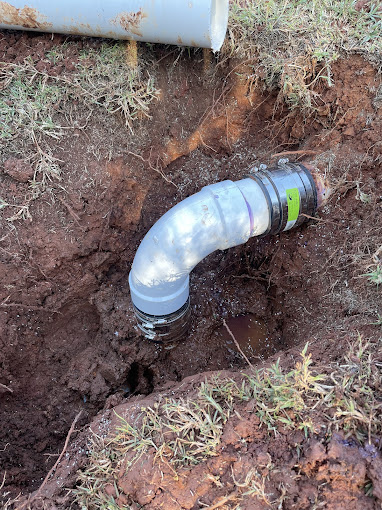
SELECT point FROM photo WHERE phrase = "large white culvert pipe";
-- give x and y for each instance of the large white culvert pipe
(218, 217)
(201, 23)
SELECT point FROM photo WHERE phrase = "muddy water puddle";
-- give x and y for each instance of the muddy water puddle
(252, 335)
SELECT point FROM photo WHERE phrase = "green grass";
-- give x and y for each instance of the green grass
(295, 42)
(375, 276)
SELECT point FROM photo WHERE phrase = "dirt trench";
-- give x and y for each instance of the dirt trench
(68, 335)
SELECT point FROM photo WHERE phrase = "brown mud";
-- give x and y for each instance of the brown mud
(131, 21)
(246, 334)
(26, 17)
(68, 337)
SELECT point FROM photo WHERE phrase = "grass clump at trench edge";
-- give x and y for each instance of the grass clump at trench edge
(356, 398)
(27, 104)
(295, 42)
(106, 78)
(32, 100)
(185, 432)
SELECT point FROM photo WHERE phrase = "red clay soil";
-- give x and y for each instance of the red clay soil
(327, 469)
(68, 339)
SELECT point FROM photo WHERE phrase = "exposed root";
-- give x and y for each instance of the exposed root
(37, 494)
(7, 389)
(223, 501)
(237, 345)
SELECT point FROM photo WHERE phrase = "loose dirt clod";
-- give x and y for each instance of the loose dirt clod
(18, 169)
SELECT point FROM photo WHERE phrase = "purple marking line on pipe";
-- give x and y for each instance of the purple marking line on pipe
(250, 214)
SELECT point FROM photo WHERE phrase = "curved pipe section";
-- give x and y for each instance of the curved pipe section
(200, 23)
(218, 217)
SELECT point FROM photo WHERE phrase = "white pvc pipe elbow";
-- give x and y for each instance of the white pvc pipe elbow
(218, 217)
(200, 23)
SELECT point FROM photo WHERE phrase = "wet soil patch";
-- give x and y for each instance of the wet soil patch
(68, 336)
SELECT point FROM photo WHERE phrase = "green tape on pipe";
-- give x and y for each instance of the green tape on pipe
(293, 196)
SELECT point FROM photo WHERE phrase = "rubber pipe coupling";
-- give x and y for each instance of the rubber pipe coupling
(166, 328)
(290, 192)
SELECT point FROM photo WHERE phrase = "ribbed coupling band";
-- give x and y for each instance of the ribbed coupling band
(290, 192)
(166, 328)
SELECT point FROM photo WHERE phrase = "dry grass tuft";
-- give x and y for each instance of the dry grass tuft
(7, 502)
(38, 108)
(357, 395)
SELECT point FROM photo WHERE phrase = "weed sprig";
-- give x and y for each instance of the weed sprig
(375, 276)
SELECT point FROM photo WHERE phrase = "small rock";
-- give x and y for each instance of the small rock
(110, 490)
(349, 131)
(18, 169)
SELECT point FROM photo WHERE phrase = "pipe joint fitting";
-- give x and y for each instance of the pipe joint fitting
(290, 192)
(166, 327)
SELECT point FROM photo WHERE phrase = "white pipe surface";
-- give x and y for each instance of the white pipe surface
(200, 23)
(218, 217)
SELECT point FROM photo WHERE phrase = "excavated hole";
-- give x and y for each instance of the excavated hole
(70, 341)
(89, 351)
